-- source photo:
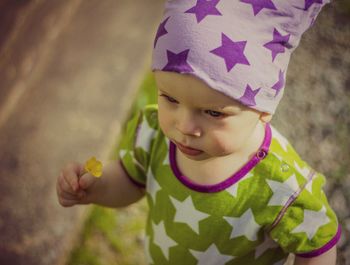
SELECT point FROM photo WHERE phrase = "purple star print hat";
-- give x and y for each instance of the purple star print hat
(238, 47)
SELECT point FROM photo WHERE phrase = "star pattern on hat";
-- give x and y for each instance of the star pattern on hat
(162, 239)
(232, 52)
(248, 98)
(187, 213)
(278, 43)
(199, 23)
(282, 191)
(258, 5)
(313, 220)
(280, 83)
(161, 31)
(178, 62)
(309, 3)
(204, 8)
(244, 225)
(211, 256)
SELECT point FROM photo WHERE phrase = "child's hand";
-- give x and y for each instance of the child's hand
(74, 185)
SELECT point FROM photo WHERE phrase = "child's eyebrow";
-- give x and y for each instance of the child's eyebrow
(226, 109)
(229, 109)
(161, 90)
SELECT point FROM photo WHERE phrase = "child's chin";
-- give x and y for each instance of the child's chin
(200, 157)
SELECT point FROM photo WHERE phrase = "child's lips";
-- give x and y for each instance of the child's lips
(188, 150)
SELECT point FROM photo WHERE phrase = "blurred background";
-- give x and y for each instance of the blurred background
(72, 72)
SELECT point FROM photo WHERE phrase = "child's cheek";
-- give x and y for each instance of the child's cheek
(164, 122)
(222, 144)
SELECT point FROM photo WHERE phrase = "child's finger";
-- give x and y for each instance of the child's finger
(64, 185)
(69, 196)
(71, 175)
(86, 181)
(67, 202)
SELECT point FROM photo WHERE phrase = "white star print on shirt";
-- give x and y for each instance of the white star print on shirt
(281, 139)
(166, 159)
(277, 155)
(162, 239)
(187, 213)
(313, 220)
(309, 186)
(211, 256)
(152, 186)
(282, 191)
(234, 188)
(305, 171)
(147, 250)
(144, 136)
(244, 225)
(122, 153)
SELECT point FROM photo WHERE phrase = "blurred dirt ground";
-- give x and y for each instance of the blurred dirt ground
(68, 71)
(77, 52)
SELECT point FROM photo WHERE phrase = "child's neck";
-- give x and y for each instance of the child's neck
(217, 169)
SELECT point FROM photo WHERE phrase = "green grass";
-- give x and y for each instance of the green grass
(111, 236)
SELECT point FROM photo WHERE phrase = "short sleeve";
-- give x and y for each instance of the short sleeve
(308, 226)
(136, 144)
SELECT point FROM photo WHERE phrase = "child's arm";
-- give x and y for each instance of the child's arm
(327, 258)
(112, 189)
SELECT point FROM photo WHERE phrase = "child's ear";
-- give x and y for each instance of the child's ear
(265, 117)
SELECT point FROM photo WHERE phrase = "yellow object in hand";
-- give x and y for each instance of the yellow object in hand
(94, 167)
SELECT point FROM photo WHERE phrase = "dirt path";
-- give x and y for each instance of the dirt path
(70, 69)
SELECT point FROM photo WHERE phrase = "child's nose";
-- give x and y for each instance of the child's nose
(187, 125)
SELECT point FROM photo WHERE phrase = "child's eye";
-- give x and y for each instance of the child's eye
(170, 99)
(215, 114)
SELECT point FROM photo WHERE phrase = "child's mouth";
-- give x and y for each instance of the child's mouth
(188, 150)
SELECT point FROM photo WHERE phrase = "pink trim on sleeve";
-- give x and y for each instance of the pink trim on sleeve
(325, 248)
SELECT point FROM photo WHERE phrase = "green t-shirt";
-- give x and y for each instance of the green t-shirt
(274, 205)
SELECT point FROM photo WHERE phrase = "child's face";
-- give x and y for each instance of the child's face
(202, 122)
